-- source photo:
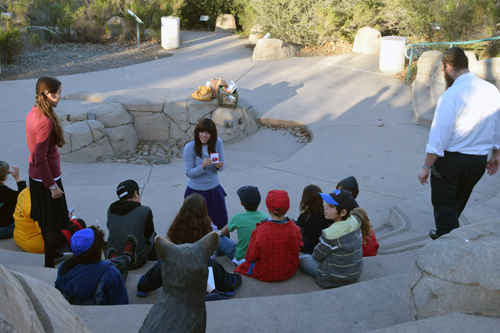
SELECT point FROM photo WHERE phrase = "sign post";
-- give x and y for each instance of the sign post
(204, 18)
(138, 20)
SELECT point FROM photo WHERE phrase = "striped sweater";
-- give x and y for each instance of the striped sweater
(340, 251)
(44, 162)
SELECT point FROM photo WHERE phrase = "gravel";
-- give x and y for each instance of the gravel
(56, 59)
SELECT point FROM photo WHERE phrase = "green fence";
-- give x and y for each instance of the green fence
(451, 44)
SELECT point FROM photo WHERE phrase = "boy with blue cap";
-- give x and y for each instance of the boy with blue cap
(85, 279)
(337, 260)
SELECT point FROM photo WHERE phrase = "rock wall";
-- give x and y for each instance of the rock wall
(31, 305)
(123, 117)
(429, 84)
(458, 272)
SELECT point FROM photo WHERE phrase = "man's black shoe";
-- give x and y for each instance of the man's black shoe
(433, 235)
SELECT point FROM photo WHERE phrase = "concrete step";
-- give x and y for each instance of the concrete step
(449, 323)
(409, 222)
(300, 283)
(481, 212)
(360, 307)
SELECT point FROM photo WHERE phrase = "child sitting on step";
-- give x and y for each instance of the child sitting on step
(85, 279)
(312, 219)
(273, 251)
(337, 260)
(370, 244)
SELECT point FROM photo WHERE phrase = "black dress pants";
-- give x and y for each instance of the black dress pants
(453, 178)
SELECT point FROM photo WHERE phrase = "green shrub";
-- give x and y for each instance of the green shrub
(89, 22)
(314, 22)
(10, 42)
(191, 12)
(151, 12)
(458, 20)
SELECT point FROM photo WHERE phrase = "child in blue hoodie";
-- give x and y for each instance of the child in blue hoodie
(85, 279)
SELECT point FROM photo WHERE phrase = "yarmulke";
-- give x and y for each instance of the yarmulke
(456, 51)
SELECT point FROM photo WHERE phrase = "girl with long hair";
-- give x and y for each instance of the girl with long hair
(44, 135)
(312, 219)
(190, 225)
(203, 172)
(370, 244)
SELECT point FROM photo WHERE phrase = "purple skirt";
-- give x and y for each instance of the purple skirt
(216, 204)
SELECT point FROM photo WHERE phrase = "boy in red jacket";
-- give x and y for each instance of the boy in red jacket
(274, 246)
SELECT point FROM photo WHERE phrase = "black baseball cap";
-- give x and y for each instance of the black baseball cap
(248, 194)
(126, 187)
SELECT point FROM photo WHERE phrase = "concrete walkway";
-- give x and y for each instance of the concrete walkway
(362, 125)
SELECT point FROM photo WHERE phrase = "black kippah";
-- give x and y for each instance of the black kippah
(456, 51)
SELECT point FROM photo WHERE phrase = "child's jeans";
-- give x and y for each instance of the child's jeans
(308, 264)
(226, 247)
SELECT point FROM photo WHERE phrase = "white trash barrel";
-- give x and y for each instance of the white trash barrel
(170, 32)
(392, 54)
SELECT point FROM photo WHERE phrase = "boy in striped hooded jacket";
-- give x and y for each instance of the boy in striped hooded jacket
(337, 260)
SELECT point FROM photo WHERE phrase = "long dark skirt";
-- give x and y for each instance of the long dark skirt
(51, 214)
(216, 204)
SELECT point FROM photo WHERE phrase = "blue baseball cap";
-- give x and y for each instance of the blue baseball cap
(81, 241)
(340, 198)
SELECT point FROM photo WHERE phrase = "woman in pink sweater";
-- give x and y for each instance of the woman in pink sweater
(44, 135)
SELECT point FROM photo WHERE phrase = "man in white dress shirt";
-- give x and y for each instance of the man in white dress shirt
(466, 127)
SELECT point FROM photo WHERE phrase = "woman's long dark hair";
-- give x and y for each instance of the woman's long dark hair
(192, 222)
(44, 86)
(205, 125)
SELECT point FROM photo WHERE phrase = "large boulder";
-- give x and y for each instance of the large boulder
(459, 272)
(225, 23)
(86, 142)
(367, 41)
(488, 69)
(256, 33)
(273, 49)
(243, 124)
(31, 305)
(109, 114)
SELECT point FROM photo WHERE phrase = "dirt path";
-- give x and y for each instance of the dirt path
(55, 59)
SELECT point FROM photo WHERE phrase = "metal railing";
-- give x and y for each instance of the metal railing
(410, 58)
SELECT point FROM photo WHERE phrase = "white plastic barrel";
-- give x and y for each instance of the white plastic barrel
(392, 54)
(170, 32)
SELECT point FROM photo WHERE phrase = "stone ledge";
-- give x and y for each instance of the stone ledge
(123, 117)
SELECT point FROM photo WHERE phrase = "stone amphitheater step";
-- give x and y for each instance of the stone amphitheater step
(409, 223)
(449, 323)
(360, 307)
(300, 283)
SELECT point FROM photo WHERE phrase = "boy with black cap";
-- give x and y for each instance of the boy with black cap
(127, 216)
(273, 251)
(85, 279)
(337, 260)
(349, 184)
(244, 223)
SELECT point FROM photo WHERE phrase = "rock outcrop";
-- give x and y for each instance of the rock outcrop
(367, 41)
(459, 272)
(31, 305)
(273, 49)
(225, 23)
(123, 117)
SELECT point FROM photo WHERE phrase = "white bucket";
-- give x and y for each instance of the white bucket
(170, 32)
(392, 54)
